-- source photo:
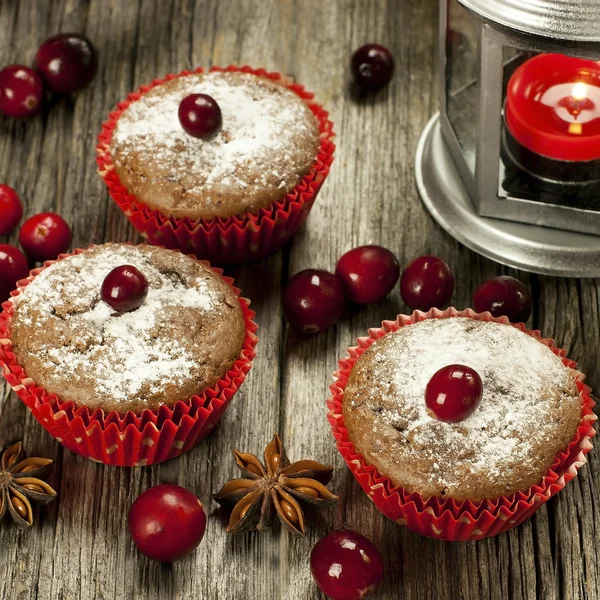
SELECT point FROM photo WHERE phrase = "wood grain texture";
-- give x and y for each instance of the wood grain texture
(80, 548)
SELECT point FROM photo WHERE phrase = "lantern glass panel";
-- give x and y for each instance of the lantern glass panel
(550, 129)
(462, 85)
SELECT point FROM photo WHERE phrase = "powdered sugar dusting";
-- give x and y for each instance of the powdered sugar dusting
(254, 148)
(524, 387)
(124, 352)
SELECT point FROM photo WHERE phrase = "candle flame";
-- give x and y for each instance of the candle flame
(579, 91)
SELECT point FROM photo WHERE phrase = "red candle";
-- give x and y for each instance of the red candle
(553, 107)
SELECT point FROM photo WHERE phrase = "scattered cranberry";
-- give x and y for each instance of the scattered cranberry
(427, 282)
(125, 288)
(21, 91)
(453, 393)
(45, 236)
(13, 266)
(313, 300)
(372, 66)
(503, 296)
(67, 62)
(167, 522)
(346, 565)
(11, 209)
(368, 273)
(200, 116)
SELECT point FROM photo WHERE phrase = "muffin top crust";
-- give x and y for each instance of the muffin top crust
(184, 337)
(530, 409)
(268, 142)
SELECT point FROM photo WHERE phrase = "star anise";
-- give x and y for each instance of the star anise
(20, 485)
(274, 487)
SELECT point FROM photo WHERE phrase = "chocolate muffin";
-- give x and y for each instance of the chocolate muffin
(183, 338)
(529, 412)
(268, 142)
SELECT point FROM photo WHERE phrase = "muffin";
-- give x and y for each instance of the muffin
(234, 198)
(529, 411)
(498, 461)
(268, 142)
(183, 339)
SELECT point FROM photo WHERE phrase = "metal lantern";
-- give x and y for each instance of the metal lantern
(511, 164)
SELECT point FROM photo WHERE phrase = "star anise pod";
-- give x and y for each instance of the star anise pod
(20, 485)
(274, 487)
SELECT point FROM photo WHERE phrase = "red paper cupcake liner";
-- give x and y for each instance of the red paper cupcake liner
(236, 239)
(447, 518)
(126, 439)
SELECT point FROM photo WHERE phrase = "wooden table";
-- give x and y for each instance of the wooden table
(80, 547)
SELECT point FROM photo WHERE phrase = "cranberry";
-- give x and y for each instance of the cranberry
(124, 288)
(13, 267)
(21, 91)
(372, 66)
(427, 282)
(313, 300)
(503, 296)
(11, 209)
(44, 236)
(167, 522)
(368, 273)
(200, 116)
(67, 62)
(453, 393)
(346, 565)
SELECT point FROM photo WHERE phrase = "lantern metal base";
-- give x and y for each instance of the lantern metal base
(522, 246)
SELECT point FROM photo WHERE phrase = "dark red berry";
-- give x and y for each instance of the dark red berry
(313, 300)
(453, 393)
(427, 282)
(167, 522)
(125, 288)
(67, 62)
(368, 273)
(21, 91)
(44, 236)
(346, 565)
(13, 267)
(372, 66)
(11, 209)
(200, 116)
(503, 296)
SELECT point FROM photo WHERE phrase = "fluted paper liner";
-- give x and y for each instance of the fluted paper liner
(233, 240)
(447, 518)
(126, 439)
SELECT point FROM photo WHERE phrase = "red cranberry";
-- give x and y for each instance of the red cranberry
(200, 116)
(45, 236)
(427, 282)
(503, 296)
(11, 209)
(368, 273)
(346, 565)
(313, 300)
(21, 91)
(125, 288)
(167, 522)
(13, 267)
(67, 62)
(372, 66)
(453, 393)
